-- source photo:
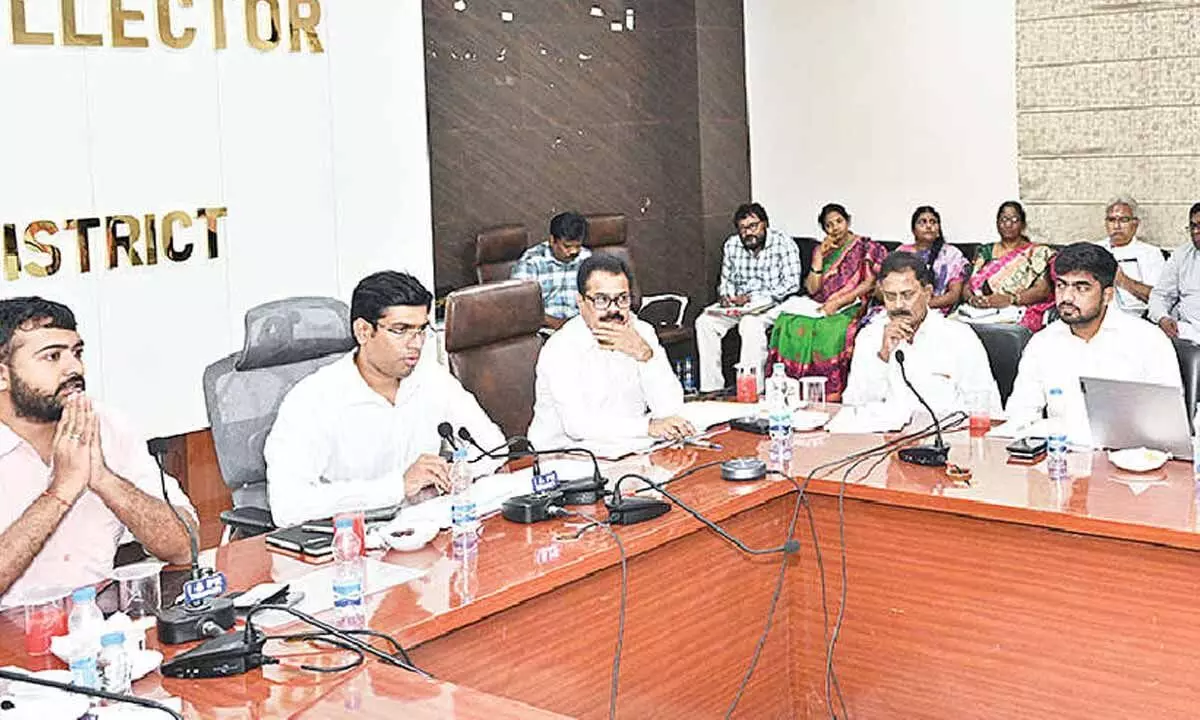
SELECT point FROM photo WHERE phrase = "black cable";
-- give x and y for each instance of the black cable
(80, 690)
(812, 526)
(616, 667)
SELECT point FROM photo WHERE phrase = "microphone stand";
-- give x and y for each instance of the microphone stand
(930, 456)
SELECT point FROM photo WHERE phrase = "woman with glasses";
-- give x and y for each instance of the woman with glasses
(842, 279)
(946, 262)
(1014, 271)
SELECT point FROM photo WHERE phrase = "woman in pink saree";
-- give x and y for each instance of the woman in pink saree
(1012, 272)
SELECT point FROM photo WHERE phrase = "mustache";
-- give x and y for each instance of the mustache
(75, 382)
(900, 313)
(1063, 306)
(613, 317)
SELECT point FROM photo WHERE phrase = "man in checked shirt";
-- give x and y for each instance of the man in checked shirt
(553, 264)
(760, 268)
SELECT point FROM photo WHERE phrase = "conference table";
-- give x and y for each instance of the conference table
(1005, 595)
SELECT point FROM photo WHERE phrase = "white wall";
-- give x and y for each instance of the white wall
(321, 160)
(882, 106)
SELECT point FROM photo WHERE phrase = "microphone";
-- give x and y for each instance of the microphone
(583, 491)
(203, 613)
(446, 451)
(935, 455)
(520, 443)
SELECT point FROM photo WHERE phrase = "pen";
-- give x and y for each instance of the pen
(704, 444)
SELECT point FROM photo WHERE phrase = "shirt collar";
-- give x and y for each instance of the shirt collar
(9, 440)
(358, 391)
(548, 254)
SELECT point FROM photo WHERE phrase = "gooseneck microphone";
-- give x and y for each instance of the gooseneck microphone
(582, 491)
(935, 455)
(449, 445)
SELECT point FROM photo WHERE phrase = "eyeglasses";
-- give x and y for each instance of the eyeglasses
(1008, 219)
(750, 226)
(1193, 227)
(1123, 219)
(408, 333)
(604, 302)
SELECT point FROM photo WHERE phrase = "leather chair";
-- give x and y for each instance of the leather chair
(286, 340)
(1188, 355)
(497, 249)
(492, 344)
(1004, 344)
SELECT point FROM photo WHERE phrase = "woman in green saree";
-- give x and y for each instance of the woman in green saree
(842, 279)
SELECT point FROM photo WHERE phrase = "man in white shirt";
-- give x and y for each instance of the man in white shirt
(760, 265)
(362, 431)
(1175, 302)
(944, 359)
(603, 378)
(1089, 339)
(1139, 264)
(76, 481)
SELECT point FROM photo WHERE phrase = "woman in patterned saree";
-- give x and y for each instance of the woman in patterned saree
(1014, 271)
(842, 278)
(947, 262)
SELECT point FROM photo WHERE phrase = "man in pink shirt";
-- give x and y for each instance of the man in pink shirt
(73, 479)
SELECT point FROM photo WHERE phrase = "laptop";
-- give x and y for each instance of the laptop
(1132, 414)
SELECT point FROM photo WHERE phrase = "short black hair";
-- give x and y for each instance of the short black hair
(569, 226)
(832, 207)
(745, 210)
(382, 290)
(1195, 209)
(605, 263)
(902, 261)
(29, 313)
(1089, 258)
(1017, 207)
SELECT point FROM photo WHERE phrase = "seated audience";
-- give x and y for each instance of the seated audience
(944, 359)
(842, 279)
(363, 430)
(1139, 264)
(760, 264)
(1013, 271)
(946, 262)
(1175, 300)
(603, 377)
(553, 264)
(75, 478)
(1091, 338)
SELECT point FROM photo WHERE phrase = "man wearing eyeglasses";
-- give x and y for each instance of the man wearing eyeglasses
(603, 379)
(1139, 263)
(1175, 302)
(760, 268)
(362, 431)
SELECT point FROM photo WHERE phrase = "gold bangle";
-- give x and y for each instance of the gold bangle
(815, 271)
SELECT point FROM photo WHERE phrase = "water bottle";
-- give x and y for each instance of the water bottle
(689, 376)
(463, 520)
(348, 576)
(83, 667)
(1056, 435)
(115, 670)
(779, 418)
(85, 620)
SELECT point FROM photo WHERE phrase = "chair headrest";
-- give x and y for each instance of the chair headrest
(605, 230)
(489, 313)
(293, 330)
(500, 243)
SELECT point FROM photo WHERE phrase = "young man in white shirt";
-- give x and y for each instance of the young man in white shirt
(944, 359)
(1091, 338)
(1139, 264)
(603, 377)
(363, 430)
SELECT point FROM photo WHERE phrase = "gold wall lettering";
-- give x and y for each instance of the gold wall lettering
(303, 19)
(129, 241)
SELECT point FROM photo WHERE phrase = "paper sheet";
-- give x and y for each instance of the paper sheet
(704, 414)
(872, 418)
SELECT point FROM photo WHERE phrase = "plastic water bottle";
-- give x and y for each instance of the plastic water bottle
(779, 418)
(463, 519)
(115, 671)
(348, 576)
(689, 376)
(1056, 435)
(83, 667)
(85, 619)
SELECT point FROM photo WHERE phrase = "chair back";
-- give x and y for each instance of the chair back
(497, 249)
(286, 340)
(1004, 344)
(1188, 355)
(492, 343)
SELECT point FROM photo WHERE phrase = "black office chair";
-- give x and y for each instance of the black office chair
(1004, 344)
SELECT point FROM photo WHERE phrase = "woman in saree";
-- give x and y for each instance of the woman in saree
(841, 279)
(950, 268)
(1012, 272)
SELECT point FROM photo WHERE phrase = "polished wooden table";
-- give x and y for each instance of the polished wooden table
(1010, 596)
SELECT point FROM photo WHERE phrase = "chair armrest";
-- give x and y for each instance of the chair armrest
(248, 521)
(681, 299)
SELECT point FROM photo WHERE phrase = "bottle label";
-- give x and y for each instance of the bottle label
(347, 594)
(84, 672)
(462, 513)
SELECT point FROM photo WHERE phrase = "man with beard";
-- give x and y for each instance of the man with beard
(603, 377)
(1091, 338)
(74, 478)
(761, 265)
(944, 359)
(361, 432)
(1139, 263)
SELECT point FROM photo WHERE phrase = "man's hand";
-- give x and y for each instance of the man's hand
(72, 450)
(623, 337)
(1169, 326)
(427, 470)
(895, 332)
(671, 428)
(738, 300)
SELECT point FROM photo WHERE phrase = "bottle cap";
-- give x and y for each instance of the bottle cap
(460, 453)
(1056, 391)
(115, 637)
(343, 522)
(84, 594)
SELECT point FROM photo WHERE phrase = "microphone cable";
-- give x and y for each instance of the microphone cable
(12, 676)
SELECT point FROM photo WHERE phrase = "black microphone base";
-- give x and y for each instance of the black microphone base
(183, 623)
(224, 656)
(526, 509)
(633, 510)
(587, 491)
(930, 456)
